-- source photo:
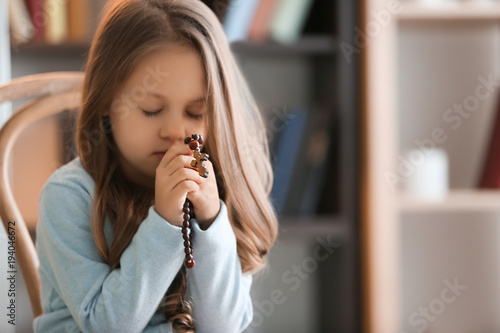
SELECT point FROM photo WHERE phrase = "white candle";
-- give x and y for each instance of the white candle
(429, 179)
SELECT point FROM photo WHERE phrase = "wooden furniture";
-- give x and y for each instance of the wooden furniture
(50, 93)
(415, 65)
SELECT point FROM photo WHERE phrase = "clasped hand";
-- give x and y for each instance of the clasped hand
(177, 180)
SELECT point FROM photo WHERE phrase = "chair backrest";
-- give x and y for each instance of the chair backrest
(50, 94)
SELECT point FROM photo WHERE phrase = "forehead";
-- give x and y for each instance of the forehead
(171, 71)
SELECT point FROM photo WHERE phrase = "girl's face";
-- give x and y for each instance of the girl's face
(162, 101)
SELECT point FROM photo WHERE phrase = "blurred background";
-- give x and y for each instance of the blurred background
(382, 120)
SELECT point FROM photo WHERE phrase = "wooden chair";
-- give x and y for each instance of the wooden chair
(49, 94)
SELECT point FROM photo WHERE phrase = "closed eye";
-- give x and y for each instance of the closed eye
(151, 113)
(195, 116)
(154, 113)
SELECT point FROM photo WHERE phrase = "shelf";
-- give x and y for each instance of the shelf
(52, 49)
(450, 12)
(306, 45)
(457, 200)
(304, 227)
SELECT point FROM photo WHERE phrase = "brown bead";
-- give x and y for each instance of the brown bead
(186, 210)
(186, 224)
(186, 237)
(188, 250)
(186, 204)
(186, 217)
(195, 136)
(189, 257)
(186, 140)
(194, 145)
(185, 230)
(190, 263)
(187, 243)
(201, 140)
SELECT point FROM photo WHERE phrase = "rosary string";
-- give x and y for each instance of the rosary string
(195, 141)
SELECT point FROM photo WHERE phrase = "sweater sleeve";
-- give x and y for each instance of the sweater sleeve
(99, 300)
(216, 286)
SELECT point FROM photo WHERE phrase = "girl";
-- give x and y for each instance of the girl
(109, 238)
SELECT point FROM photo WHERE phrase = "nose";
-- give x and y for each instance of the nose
(172, 129)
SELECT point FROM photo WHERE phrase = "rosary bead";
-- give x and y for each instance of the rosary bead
(185, 230)
(187, 243)
(186, 140)
(186, 224)
(186, 237)
(186, 210)
(186, 217)
(186, 204)
(189, 256)
(194, 144)
(190, 263)
(195, 136)
(188, 250)
(201, 140)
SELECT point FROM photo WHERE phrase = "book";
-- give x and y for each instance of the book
(286, 154)
(78, 21)
(238, 18)
(490, 174)
(260, 28)
(56, 26)
(309, 173)
(290, 18)
(35, 8)
(324, 169)
(21, 27)
(327, 194)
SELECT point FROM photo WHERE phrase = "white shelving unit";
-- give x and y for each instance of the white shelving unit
(468, 10)
(418, 63)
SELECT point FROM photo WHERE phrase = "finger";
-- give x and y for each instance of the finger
(185, 187)
(179, 162)
(176, 149)
(186, 174)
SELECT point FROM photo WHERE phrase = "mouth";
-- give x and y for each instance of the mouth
(159, 153)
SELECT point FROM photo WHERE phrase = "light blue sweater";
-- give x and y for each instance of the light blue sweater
(80, 294)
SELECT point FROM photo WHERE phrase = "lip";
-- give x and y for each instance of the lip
(160, 153)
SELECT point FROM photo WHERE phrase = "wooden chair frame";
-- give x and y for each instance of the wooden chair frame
(51, 93)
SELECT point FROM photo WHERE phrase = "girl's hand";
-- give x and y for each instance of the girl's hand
(206, 202)
(175, 180)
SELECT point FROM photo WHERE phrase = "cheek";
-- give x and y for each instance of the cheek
(134, 134)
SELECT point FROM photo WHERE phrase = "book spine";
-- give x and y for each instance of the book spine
(35, 8)
(78, 18)
(287, 156)
(261, 25)
(56, 29)
(290, 19)
(490, 176)
(238, 18)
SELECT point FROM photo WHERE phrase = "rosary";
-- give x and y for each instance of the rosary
(195, 141)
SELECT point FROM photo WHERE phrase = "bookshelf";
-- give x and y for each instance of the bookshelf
(311, 72)
(429, 59)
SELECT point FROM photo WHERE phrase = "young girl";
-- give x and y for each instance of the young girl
(109, 237)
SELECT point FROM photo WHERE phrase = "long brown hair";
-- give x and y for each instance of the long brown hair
(237, 144)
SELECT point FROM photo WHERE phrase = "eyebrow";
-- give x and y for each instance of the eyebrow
(197, 100)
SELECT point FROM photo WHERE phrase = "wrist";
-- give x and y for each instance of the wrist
(206, 221)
